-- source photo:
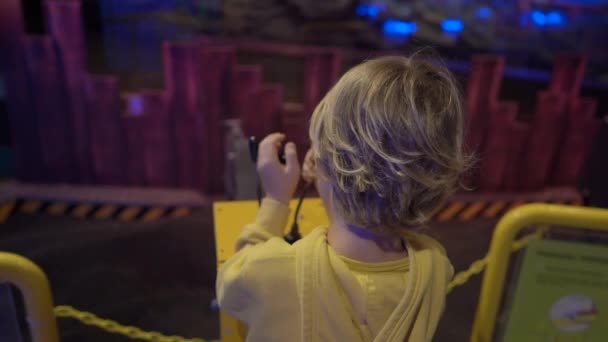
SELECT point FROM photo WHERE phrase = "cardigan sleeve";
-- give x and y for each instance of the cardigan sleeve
(237, 278)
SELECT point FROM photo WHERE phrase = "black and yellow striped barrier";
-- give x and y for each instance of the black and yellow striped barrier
(454, 210)
(94, 211)
(458, 210)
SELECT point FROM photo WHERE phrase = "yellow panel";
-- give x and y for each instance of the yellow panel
(230, 218)
(232, 330)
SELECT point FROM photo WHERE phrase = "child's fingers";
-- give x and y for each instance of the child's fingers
(269, 147)
(291, 158)
(272, 140)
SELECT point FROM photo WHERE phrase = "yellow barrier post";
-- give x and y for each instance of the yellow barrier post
(500, 249)
(34, 286)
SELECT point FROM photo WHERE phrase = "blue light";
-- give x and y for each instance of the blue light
(368, 11)
(372, 11)
(539, 18)
(362, 10)
(397, 28)
(554, 18)
(452, 25)
(484, 12)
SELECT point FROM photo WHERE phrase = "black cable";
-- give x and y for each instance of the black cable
(294, 233)
(253, 154)
(258, 190)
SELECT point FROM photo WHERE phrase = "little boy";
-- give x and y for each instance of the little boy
(387, 149)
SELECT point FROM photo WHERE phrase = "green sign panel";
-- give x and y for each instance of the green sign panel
(561, 294)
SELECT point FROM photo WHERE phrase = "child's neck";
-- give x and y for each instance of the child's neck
(362, 247)
(347, 243)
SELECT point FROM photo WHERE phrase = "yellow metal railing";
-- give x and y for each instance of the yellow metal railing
(34, 287)
(500, 249)
(114, 327)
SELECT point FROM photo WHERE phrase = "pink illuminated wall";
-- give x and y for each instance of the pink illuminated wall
(70, 126)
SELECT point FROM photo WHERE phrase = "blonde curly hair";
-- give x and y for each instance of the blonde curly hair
(388, 137)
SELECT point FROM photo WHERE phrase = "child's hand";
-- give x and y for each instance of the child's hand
(309, 172)
(279, 181)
